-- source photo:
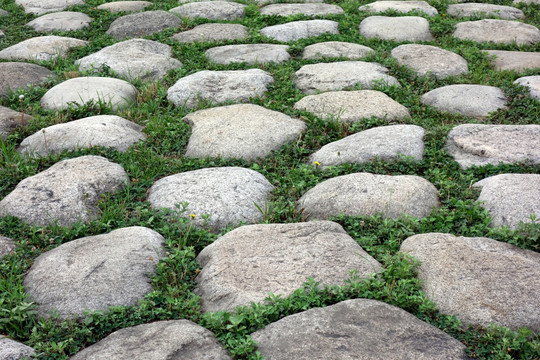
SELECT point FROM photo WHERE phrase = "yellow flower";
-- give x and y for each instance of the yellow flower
(193, 216)
(317, 163)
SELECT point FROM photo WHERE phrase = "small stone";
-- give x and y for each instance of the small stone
(330, 49)
(218, 87)
(14, 350)
(40, 7)
(351, 106)
(514, 60)
(42, 48)
(212, 10)
(479, 280)
(240, 131)
(531, 82)
(61, 21)
(248, 53)
(498, 31)
(400, 7)
(125, 6)
(7, 246)
(466, 100)
(10, 120)
(18, 75)
(3, 13)
(364, 194)
(430, 60)
(95, 272)
(481, 9)
(252, 261)
(297, 30)
(402, 28)
(212, 32)
(340, 75)
(115, 93)
(142, 24)
(304, 9)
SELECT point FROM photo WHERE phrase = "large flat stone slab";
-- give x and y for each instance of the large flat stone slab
(95, 272)
(19, 75)
(135, 58)
(115, 93)
(478, 145)
(356, 329)
(365, 194)
(341, 75)
(7, 246)
(212, 10)
(65, 193)
(400, 7)
(14, 350)
(248, 263)
(532, 83)
(125, 6)
(329, 49)
(244, 131)
(466, 100)
(479, 280)
(296, 30)
(402, 28)
(514, 60)
(482, 9)
(248, 53)
(212, 32)
(218, 87)
(43, 48)
(40, 7)
(10, 120)
(61, 21)
(351, 106)
(304, 9)
(142, 24)
(498, 31)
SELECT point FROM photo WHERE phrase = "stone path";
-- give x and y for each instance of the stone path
(335, 80)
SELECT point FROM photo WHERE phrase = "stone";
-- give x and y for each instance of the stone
(252, 261)
(3, 13)
(427, 60)
(65, 193)
(218, 87)
(532, 83)
(356, 329)
(10, 120)
(351, 106)
(228, 195)
(212, 10)
(7, 246)
(481, 9)
(331, 49)
(364, 194)
(466, 100)
(125, 6)
(498, 31)
(142, 24)
(478, 144)
(40, 7)
(212, 32)
(400, 7)
(341, 75)
(385, 142)
(41, 48)
(19, 75)
(244, 131)
(95, 272)
(296, 30)
(248, 53)
(172, 339)
(301, 9)
(402, 28)
(115, 93)
(479, 280)
(2, 33)
(514, 60)
(14, 350)
(61, 21)
(135, 58)
(108, 131)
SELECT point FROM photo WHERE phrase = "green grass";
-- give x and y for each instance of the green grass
(161, 154)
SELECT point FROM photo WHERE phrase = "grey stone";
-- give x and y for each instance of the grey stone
(3, 13)
(115, 93)
(478, 145)
(498, 31)
(18, 75)
(479, 280)
(95, 272)
(13, 350)
(402, 28)
(43, 48)
(532, 83)
(61, 21)
(430, 60)
(240, 131)
(466, 100)
(213, 10)
(228, 195)
(248, 53)
(7, 246)
(330, 49)
(10, 120)
(364, 194)
(248, 263)
(296, 30)
(103, 130)
(142, 24)
(135, 58)
(65, 193)
(514, 60)
(351, 106)
(172, 339)
(212, 32)
(125, 6)
(356, 329)
(304, 9)
(340, 75)
(218, 87)
(400, 7)
(385, 142)
(40, 7)
(2, 33)
(481, 9)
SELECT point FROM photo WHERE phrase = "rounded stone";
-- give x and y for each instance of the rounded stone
(61, 21)
(40, 7)
(248, 53)
(7, 246)
(41, 48)
(14, 350)
(481, 9)
(400, 7)
(124, 6)
(514, 60)
(297, 30)
(142, 24)
(10, 120)
(212, 32)
(330, 49)
(402, 28)
(3, 13)
(19, 75)
(532, 83)
(498, 31)
(301, 9)
(212, 10)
